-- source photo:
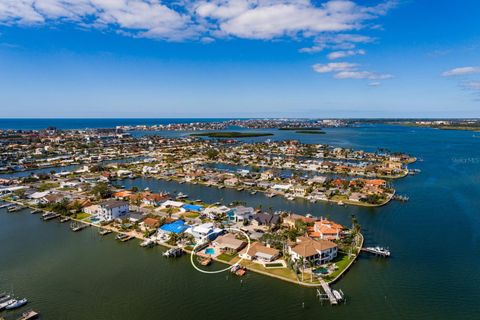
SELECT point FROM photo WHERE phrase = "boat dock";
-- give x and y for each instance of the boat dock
(378, 251)
(74, 226)
(29, 315)
(328, 295)
(50, 216)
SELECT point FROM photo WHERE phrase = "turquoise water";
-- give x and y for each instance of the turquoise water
(433, 272)
(209, 251)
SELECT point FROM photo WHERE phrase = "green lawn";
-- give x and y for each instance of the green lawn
(273, 265)
(81, 215)
(342, 261)
(226, 257)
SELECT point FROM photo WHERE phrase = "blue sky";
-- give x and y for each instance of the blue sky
(239, 58)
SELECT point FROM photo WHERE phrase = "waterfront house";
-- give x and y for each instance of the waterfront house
(149, 224)
(259, 252)
(53, 198)
(214, 212)
(177, 227)
(228, 243)
(112, 209)
(241, 213)
(313, 252)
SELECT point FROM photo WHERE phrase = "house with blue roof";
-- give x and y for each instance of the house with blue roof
(176, 227)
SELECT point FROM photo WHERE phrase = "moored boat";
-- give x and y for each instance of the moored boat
(123, 237)
(75, 226)
(6, 303)
(16, 304)
(173, 253)
(65, 219)
(147, 243)
(103, 232)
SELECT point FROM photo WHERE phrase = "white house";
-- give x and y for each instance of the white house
(201, 231)
(259, 252)
(113, 209)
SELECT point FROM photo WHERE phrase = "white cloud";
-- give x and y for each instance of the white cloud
(334, 67)
(343, 54)
(461, 71)
(343, 41)
(251, 19)
(348, 70)
(362, 75)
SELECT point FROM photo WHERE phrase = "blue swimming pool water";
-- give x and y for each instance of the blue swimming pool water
(209, 251)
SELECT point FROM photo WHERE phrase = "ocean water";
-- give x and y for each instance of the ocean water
(91, 123)
(434, 238)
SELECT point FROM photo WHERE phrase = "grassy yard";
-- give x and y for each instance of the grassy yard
(342, 261)
(81, 215)
(226, 257)
(282, 272)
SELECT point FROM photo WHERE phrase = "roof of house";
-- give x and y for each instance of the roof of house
(307, 247)
(229, 241)
(175, 227)
(257, 247)
(266, 218)
(112, 203)
(151, 222)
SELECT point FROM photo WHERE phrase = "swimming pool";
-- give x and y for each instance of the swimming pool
(209, 251)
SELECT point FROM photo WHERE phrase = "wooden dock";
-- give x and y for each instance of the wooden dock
(328, 291)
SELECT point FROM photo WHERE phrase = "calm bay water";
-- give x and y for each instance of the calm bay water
(434, 238)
